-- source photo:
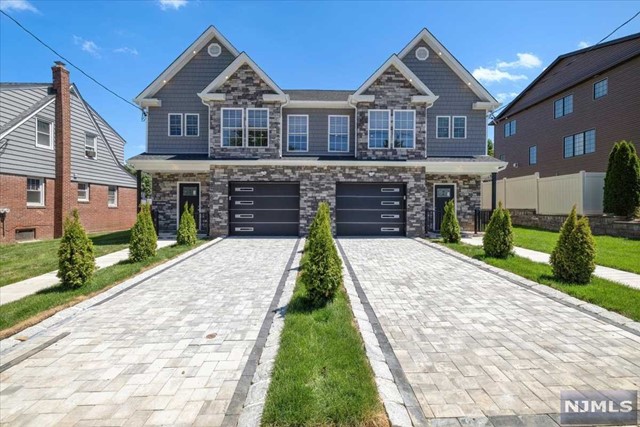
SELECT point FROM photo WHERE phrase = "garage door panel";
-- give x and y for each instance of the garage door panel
(266, 202)
(371, 209)
(253, 215)
(265, 229)
(377, 203)
(366, 189)
(265, 189)
(356, 215)
(350, 229)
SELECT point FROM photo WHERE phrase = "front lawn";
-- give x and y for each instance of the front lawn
(21, 261)
(321, 375)
(604, 293)
(20, 314)
(614, 252)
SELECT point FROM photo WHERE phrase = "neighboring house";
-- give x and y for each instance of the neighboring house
(568, 119)
(57, 154)
(255, 159)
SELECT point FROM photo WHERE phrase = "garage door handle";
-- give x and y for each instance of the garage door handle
(389, 229)
(248, 216)
(244, 189)
(388, 203)
(389, 216)
(390, 190)
(244, 202)
(244, 229)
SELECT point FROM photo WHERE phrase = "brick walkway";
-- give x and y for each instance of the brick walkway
(144, 357)
(475, 345)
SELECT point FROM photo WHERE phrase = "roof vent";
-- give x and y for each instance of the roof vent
(422, 53)
(214, 49)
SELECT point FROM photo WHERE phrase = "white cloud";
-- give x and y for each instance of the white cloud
(87, 45)
(583, 45)
(525, 60)
(490, 75)
(172, 4)
(17, 5)
(506, 96)
(125, 49)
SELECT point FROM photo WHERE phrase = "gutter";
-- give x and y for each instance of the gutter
(282, 105)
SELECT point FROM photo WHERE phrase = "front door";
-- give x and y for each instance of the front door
(443, 193)
(189, 193)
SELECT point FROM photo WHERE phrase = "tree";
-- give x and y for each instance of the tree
(622, 181)
(498, 237)
(187, 232)
(573, 257)
(450, 228)
(490, 150)
(76, 257)
(146, 185)
(144, 240)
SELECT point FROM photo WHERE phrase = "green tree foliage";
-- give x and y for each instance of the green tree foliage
(498, 237)
(573, 258)
(490, 150)
(146, 185)
(143, 241)
(622, 182)
(187, 231)
(450, 228)
(76, 258)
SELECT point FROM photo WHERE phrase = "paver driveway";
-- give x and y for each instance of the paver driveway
(475, 345)
(143, 357)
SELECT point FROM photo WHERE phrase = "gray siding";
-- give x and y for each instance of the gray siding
(179, 95)
(114, 140)
(319, 130)
(456, 99)
(15, 101)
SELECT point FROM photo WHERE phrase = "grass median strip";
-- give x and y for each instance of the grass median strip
(604, 293)
(20, 314)
(321, 374)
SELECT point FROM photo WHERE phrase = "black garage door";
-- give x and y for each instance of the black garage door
(264, 208)
(370, 209)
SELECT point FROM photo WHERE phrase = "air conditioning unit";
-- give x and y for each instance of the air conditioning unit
(90, 152)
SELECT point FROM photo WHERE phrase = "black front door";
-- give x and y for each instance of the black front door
(189, 193)
(444, 193)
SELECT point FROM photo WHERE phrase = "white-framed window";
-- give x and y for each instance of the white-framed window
(232, 129)
(112, 196)
(192, 124)
(90, 146)
(510, 128)
(443, 126)
(83, 192)
(257, 127)
(297, 132)
(563, 106)
(379, 128)
(35, 191)
(533, 155)
(580, 143)
(175, 124)
(460, 127)
(600, 88)
(338, 138)
(44, 133)
(404, 128)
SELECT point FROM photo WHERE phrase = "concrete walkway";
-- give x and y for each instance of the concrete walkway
(629, 279)
(30, 286)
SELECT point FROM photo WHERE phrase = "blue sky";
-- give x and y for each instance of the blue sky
(323, 45)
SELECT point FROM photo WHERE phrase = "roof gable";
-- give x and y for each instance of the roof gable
(403, 69)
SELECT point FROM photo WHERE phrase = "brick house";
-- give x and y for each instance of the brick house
(255, 159)
(57, 154)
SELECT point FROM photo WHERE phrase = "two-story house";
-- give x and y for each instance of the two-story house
(56, 154)
(225, 137)
(568, 119)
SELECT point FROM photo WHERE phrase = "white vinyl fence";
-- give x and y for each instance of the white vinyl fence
(554, 195)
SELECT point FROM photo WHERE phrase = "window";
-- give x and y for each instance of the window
(563, 106)
(35, 191)
(83, 192)
(175, 124)
(600, 88)
(90, 146)
(232, 129)
(297, 133)
(192, 124)
(580, 143)
(44, 134)
(442, 124)
(510, 128)
(112, 196)
(214, 50)
(503, 157)
(339, 133)
(379, 128)
(460, 127)
(257, 127)
(533, 155)
(404, 132)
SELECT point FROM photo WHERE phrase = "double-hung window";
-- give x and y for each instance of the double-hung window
(44, 133)
(533, 155)
(404, 128)
(600, 88)
(459, 127)
(443, 126)
(580, 143)
(297, 132)
(257, 127)
(379, 128)
(563, 106)
(90, 146)
(232, 127)
(192, 124)
(35, 191)
(83, 192)
(112, 196)
(339, 133)
(175, 124)
(510, 128)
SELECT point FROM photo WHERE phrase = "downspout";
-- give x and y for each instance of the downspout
(284, 104)
(355, 124)
(426, 130)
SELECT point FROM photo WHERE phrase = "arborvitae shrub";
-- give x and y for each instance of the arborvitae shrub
(622, 181)
(498, 237)
(76, 258)
(144, 241)
(573, 258)
(450, 228)
(187, 232)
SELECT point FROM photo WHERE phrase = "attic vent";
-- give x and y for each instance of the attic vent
(422, 53)
(214, 49)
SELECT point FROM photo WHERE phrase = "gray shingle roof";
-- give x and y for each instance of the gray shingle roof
(318, 94)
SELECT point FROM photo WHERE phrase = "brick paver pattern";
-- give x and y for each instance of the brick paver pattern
(144, 358)
(473, 344)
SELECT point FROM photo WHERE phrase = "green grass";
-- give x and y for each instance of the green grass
(51, 299)
(20, 261)
(614, 252)
(321, 374)
(604, 293)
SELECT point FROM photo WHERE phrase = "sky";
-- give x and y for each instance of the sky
(319, 45)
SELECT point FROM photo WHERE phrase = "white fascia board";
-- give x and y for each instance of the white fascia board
(270, 97)
(404, 70)
(471, 168)
(354, 99)
(423, 99)
(488, 106)
(24, 119)
(318, 104)
(209, 34)
(149, 102)
(208, 97)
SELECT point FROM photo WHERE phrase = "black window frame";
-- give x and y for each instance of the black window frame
(563, 101)
(573, 144)
(535, 148)
(606, 80)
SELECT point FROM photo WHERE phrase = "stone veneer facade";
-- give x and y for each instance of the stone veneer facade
(468, 197)
(165, 196)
